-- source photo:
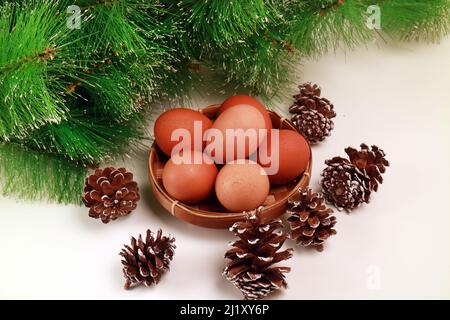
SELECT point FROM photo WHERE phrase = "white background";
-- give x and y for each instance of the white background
(395, 96)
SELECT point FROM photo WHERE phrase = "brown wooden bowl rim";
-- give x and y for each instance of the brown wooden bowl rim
(304, 180)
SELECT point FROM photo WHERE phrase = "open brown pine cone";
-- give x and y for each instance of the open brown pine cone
(349, 183)
(312, 114)
(253, 257)
(110, 193)
(145, 260)
(310, 221)
(343, 186)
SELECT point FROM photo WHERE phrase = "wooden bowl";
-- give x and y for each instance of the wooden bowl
(210, 212)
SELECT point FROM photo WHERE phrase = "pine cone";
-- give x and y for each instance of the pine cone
(252, 257)
(110, 193)
(370, 163)
(145, 261)
(312, 114)
(310, 220)
(343, 186)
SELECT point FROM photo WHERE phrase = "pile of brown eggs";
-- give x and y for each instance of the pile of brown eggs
(234, 170)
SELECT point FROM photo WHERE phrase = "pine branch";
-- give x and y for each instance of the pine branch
(418, 20)
(220, 24)
(98, 94)
(31, 54)
(89, 138)
(44, 56)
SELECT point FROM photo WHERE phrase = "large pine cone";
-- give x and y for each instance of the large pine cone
(342, 185)
(145, 261)
(312, 114)
(370, 163)
(310, 220)
(253, 256)
(110, 193)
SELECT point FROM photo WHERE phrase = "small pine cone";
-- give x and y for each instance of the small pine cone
(370, 163)
(310, 220)
(145, 261)
(342, 185)
(253, 256)
(312, 114)
(110, 193)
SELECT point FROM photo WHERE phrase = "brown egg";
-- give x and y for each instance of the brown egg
(180, 118)
(242, 185)
(243, 99)
(235, 133)
(189, 177)
(293, 156)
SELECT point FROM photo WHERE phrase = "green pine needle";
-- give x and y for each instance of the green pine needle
(30, 38)
(221, 23)
(30, 175)
(90, 139)
(416, 19)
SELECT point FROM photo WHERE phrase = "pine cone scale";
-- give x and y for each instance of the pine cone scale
(308, 232)
(237, 269)
(91, 196)
(314, 222)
